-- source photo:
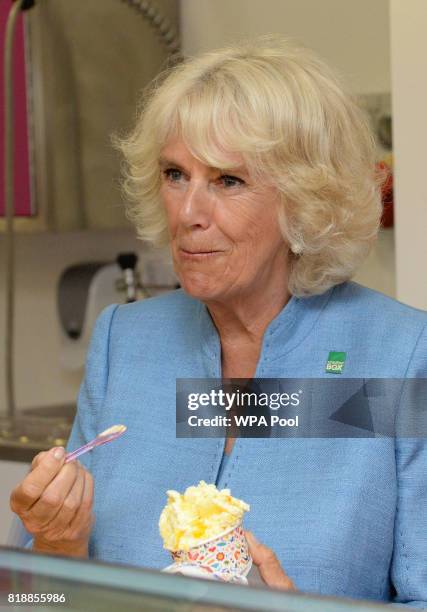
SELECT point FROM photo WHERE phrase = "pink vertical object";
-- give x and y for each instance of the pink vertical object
(24, 205)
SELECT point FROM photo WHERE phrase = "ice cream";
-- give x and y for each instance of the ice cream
(201, 513)
(113, 430)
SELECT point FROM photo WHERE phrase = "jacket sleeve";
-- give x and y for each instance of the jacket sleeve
(409, 561)
(89, 404)
(94, 385)
(92, 389)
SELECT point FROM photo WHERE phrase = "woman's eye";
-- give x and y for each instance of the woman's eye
(173, 174)
(231, 181)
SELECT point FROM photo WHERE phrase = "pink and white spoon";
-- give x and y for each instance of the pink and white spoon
(112, 433)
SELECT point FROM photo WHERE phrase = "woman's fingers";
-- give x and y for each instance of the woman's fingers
(51, 501)
(54, 501)
(56, 529)
(36, 460)
(268, 564)
(31, 488)
(83, 520)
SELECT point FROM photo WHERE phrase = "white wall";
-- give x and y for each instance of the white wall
(11, 473)
(40, 259)
(40, 377)
(353, 35)
(409, 95)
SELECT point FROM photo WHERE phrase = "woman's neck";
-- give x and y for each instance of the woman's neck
(245, 319)
(241, 324)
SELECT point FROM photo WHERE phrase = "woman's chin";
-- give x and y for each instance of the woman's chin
(200, 288)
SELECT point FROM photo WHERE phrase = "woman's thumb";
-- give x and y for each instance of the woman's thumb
(268, 564)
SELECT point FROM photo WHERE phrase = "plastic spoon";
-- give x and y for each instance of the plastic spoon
(106, 436)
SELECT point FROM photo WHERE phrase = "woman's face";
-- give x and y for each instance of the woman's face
(225, 238)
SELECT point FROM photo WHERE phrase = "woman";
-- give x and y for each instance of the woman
(259, 171)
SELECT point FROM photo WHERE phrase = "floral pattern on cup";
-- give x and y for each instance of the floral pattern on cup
(226, 555)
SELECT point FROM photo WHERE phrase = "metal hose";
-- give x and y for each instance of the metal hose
(160, 24)
(9, 260)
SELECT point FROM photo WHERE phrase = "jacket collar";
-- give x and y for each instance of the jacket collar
(283, 334)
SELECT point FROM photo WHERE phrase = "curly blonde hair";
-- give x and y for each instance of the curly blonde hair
(285, 111)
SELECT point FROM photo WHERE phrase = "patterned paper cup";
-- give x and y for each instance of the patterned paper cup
(226, 556)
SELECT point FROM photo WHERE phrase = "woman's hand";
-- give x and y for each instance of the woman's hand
(54, 502)
(268, 565)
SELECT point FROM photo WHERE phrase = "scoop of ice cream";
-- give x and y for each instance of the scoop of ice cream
(113, 430)
(201, 513)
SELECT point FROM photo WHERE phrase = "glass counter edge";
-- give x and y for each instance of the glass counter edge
(148, 581)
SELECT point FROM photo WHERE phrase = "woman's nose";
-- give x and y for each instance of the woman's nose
(196, 206)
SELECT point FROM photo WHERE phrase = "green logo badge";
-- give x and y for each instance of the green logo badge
(335, 363)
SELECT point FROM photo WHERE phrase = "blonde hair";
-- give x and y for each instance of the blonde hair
(285, 111)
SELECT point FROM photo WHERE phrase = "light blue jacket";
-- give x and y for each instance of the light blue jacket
(345, 517)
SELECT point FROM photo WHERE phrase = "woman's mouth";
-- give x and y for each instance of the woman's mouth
(198, 255)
